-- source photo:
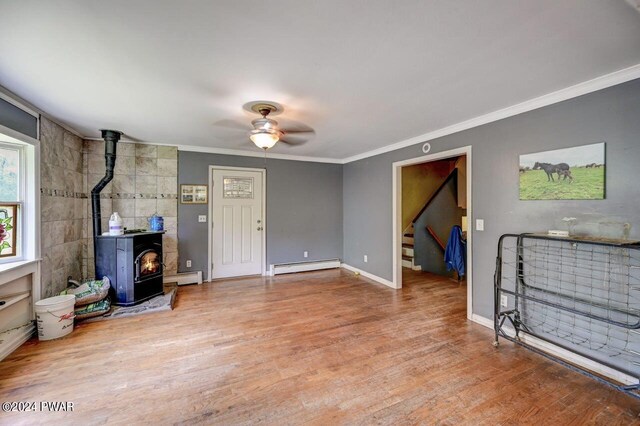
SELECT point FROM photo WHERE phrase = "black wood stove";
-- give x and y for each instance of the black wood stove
(133, 261)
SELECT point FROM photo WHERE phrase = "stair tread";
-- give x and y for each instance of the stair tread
(408, 235)
(405, 257)
(407, 245)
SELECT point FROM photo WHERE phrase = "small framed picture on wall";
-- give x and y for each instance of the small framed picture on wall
(193, 194)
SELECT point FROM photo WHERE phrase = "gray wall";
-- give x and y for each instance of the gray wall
(304, 209)
(609, 115)
(14, 118)
(441, 215)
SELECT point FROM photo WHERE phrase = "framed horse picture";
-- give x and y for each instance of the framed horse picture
(576, 173)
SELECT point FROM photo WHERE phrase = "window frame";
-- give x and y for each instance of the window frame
(28, 238)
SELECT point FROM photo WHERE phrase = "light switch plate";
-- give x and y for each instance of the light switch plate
(479, 224)
(202, 218)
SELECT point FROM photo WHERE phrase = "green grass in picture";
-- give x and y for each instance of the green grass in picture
(588, 184)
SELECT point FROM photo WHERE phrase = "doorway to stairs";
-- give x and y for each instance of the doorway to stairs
(432, 202)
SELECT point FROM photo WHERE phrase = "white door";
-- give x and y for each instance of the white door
(237, 223)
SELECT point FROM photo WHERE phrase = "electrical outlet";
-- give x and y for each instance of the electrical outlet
(202, 218)
(305, 254)
(504, 301)
(366, 259)
(479, 224)
(188, 264)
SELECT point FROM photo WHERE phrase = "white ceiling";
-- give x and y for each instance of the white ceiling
(364, 74)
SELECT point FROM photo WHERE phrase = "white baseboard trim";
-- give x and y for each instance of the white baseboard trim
(184, 278)
(290, 268)
(368, 275)
(563, 354)
(486, 322)
(13, 339)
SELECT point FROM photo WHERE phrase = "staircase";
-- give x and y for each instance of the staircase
(407, 250)
(408, 241)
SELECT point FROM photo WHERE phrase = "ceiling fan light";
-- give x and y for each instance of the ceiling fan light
(264, 139)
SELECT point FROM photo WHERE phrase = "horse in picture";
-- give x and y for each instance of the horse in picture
(562, 169)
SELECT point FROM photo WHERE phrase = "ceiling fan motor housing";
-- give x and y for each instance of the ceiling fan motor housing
(264, 123)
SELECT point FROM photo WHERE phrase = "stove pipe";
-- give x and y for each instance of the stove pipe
(111, 138)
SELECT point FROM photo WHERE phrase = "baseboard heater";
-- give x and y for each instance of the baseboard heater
(316, 265)
(184, 278)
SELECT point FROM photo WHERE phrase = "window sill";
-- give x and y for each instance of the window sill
(6, 267)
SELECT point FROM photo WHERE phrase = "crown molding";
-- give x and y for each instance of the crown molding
(236, 152)
(270, 155)
(589, 86)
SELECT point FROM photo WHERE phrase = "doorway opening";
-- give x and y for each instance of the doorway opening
(237, 222)
(432, 206)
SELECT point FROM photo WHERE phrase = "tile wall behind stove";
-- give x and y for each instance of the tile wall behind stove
(63, 207)
(145, 182)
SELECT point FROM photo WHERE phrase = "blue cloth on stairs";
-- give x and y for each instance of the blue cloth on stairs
(455, 252)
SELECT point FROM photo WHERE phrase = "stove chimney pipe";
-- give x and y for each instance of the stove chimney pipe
(111, 138)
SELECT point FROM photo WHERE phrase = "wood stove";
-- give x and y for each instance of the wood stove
(133, 263)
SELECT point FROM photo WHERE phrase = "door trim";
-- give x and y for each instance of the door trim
(263, 261)
(397, 215)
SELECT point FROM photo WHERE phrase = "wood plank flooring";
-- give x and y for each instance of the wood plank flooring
(315, 348)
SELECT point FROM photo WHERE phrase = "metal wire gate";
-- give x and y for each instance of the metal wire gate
(580, 294)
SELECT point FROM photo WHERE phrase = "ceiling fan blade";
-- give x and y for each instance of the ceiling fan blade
(290, 126)
(297, 132)
(234, 125)
(293, 142)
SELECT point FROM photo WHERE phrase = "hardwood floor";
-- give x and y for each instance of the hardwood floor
(315, 348)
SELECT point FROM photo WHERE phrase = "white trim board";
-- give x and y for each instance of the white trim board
(396, 221)
(561, 353)
(13, 339)
(260, 154)
(312, 265)
(367, 275)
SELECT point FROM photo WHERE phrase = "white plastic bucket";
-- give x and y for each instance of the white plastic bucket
(54, 316)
